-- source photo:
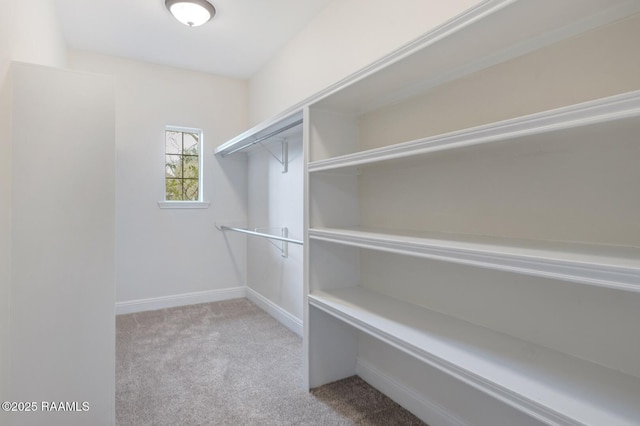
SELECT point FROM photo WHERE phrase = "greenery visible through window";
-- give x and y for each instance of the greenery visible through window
(182, 164)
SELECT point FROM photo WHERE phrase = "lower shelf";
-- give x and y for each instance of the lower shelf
(553, 387)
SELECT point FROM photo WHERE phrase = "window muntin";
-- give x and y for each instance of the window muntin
(183, 165)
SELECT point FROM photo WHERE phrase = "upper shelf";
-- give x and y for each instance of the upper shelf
(596, 265)
(490, 33)
(599, 112)
(280, 126)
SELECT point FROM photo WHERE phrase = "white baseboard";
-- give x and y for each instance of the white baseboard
(291, 322)
(428, 411)
(141, 305)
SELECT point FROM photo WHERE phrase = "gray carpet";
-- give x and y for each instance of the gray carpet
(229, 363)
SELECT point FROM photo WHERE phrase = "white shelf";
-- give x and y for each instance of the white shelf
(597, 265)
(507, 28)
(619, 112)
(245, 140)
(551, 386)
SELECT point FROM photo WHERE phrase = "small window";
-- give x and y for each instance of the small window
(183, 166)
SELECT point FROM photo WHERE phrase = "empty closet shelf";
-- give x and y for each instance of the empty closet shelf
(596, 265)
(551, 386)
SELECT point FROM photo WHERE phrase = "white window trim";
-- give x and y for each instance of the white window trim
(183, 204)
(178, 204)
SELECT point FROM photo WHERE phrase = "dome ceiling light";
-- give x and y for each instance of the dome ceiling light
(191, 12)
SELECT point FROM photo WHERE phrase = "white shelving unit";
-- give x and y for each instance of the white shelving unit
(472, 201)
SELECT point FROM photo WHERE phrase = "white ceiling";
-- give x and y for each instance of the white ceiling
(239, 40)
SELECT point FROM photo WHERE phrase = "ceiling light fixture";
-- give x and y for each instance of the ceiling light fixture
(191, 12)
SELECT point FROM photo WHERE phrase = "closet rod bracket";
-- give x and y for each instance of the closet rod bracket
(284, 154)
(283, 247)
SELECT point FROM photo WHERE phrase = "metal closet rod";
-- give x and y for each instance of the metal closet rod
(261, 138)
(260, 234)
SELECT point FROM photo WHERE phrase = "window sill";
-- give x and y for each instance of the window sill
(183, 204)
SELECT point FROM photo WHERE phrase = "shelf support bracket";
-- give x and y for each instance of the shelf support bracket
(284, 154)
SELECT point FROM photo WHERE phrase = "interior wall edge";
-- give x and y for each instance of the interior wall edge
(5, 222)
(285, 318)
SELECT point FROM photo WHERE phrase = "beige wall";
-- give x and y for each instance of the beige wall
(5, 201)
(346, 36)
(28, 32)
(62, 294)
(163, 252)
(36, 36)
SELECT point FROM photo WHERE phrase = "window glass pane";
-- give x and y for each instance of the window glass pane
(173, 166)
(173, 142)
(174, 189)
(191, 189)
(182, 165)
(190, 143)
(191, 167)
